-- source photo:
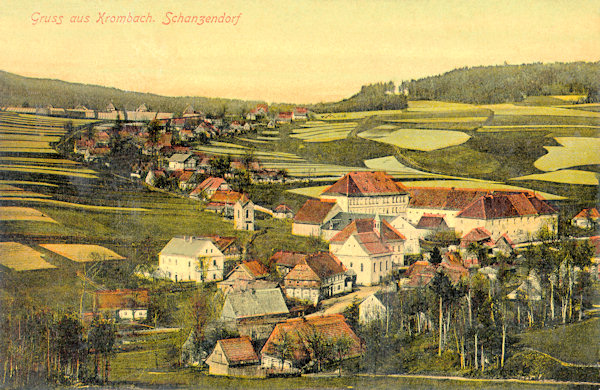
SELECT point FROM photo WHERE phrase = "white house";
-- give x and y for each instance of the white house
(412, 245)
(368, 193)
(182, 161)
(376, 307)
(369, 247)
(191, 258)
(586, 218)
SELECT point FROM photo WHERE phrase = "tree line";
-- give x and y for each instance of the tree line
(509, 83)
(372, 97)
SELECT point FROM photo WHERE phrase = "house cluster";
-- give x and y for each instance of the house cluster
(124, 306)
(261, 301)
(372, 222)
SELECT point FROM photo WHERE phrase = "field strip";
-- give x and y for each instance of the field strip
(23, 214)
(28, 183)
(26, 149)
(57, 169)
(40, 160)
(22, 193)
(575, 151)
(75, 205)
(19, 257)
(440, 119)
(566, 176)
(252, 140)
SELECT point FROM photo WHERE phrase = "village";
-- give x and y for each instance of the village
(380, 246)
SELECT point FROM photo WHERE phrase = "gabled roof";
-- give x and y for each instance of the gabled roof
(330, 326)
(188, 246)
(420, 273)
(288, 258)
(282, 208)
(256, 303)
(443, 198)
(256, 269)
(588, 213)
(314, 211)
(121, 299)
(304, 272)
(432, 221)
(367, 225)
(371, 243)
(227, 197)
(180, 157)
(365, 184)
(477, 234)
(211, 183)
(506, 205)
(239, 350)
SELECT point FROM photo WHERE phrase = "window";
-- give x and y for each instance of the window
(374, 267)
(380, 266)
(215, 262)
(361, 267)
(189, 264)
(247, 213)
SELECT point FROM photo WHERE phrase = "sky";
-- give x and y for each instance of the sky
(296, 51)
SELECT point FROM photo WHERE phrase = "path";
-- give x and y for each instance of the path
(338, 304)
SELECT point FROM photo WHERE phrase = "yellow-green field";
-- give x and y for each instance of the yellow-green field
(35, 160)
(441, 119)
(569, 98)
(19, 257)
(83, 253)
(417, 139)
(512, 109)
(48, 171)
(23, 214)
(323, 132)
(575, 151)
(60, 203)
(565, 176)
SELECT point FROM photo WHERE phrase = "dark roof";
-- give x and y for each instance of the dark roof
(505, 205)
(256, 303)
(432, 221)
(314, 211)
(365, 184)
(256, 269)
(121, 299)
(324, 264)
(443, 198)
(367, 225)
(343, 219)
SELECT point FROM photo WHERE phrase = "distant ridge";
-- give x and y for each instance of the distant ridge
(509, 83)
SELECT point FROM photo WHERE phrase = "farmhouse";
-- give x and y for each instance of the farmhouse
(283, 211)
(234, 357)
(331, 327)
(586, 218)
(312, 215)
(370, 247)
(520, 215)
(191, 258)
(368, 193)
(122, 305)
(249, 304)
(209, 186)
(182, 161)
(317, 276)
(285, 261)
(223, 202)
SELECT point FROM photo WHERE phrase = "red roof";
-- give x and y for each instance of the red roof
(283, 209)
(186, 175)
(314, 211)
(454, 271)
(210, 183)
(256, 269)
(367, 225)
(443, 198)
(285, 115)
(365, 184)
(303, 272)
(121, 299)
(420, 273)
(505, 205)
(239, 350)
(477, 234)
(372, 243)
(324, 264)
(330, 326)
(288, 258)
(300, 110)
(588, 213)
(226, 197)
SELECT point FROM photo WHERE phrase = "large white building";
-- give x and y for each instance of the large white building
(191, 259)
(519, 215)
(368, 193)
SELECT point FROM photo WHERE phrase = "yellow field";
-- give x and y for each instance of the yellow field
(442, 119)
(511, 109)
(417, 139)
(569, 98)
(575, 151)
(19, 257)
(566, 176)
(47, 171)
(39, 160)
(83, 253)
(28, 138)
(28, 183)
(23, 214)
(74, 205)
(25, 149)
(27, 194)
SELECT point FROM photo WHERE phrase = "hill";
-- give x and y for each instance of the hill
(509, 83)
(18, 90)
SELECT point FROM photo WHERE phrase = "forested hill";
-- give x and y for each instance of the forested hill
(508, 83)
(18, 90)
